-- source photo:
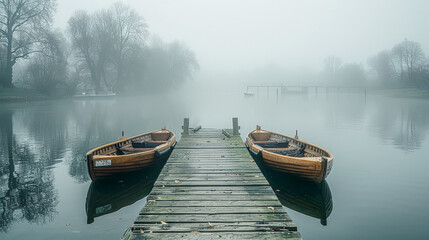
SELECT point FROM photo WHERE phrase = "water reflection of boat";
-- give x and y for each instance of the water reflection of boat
(110, 195)
(309, 198)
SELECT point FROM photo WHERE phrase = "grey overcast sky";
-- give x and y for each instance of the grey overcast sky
(242, 34)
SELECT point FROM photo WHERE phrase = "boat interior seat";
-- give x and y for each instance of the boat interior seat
(146, 143)
(261, 136)
(160, 136)
(119, 151)
(273, 143)
(126, 150)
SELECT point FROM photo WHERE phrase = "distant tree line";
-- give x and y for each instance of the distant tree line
(349, 74)
(404, 66)
(107, 50)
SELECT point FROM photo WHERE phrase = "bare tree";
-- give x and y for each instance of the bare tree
(48, 68)
(2, 62)
(81, 28)
(20, 24)
(352, 75)
(382, 66)
(181, 63)
(407, 58)
(128, 28)
(332, 64)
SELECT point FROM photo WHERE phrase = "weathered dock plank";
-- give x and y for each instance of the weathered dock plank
(211, 188)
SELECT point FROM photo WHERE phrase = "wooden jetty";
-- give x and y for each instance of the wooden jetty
(210, 188)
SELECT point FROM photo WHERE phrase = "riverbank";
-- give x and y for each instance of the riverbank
(20, 95)
(404, 93)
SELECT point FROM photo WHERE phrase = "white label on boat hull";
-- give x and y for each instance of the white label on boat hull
(103, 163)
(103, 209)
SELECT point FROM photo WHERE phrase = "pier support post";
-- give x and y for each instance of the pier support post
(185, 126)
(235, 127)
(277, 95)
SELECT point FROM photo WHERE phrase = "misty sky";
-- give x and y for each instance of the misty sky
(235, 35)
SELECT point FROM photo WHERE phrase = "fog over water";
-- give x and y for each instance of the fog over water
(230, 36)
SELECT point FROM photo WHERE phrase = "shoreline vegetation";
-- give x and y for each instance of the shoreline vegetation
(403, 93)
(20, 95)
(25, 94)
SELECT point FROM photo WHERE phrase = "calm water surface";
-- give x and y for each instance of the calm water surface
(378, 188)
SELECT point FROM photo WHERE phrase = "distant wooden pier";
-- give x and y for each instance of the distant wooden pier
(211, 188)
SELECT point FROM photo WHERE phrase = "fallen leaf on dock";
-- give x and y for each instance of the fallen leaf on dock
(141, 231)
(163, 186)
(150, 232)
(252, 160)
(195, 232)
(151, 200)
(211, 225)
(163, 223)
(271, 208)
(176, 181)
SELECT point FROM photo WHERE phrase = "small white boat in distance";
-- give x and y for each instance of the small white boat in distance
(249, 94)
(85, 95)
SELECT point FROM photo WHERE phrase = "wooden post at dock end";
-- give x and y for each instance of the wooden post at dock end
(235, 127)
(185, 126)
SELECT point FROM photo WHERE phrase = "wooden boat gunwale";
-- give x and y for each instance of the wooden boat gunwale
(326, 159)
(156, 152)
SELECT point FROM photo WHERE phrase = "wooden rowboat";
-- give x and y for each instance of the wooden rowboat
(130, 154)
(290, 155)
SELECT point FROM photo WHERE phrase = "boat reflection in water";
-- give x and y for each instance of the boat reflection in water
(309, 198)
(110, 195)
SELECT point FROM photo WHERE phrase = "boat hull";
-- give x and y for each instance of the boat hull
(311, 168)
(114, 165)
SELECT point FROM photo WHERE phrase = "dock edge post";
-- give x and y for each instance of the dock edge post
(235, 127)
(185, 126)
